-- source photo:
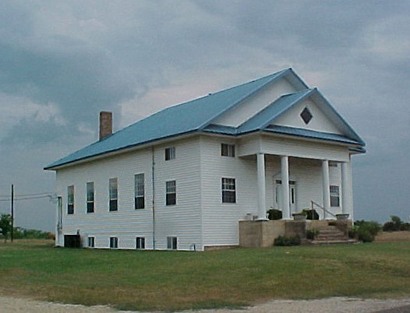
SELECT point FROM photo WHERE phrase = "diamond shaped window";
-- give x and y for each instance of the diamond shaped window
(306, 115)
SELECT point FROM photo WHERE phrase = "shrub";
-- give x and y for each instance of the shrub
(364, 235)
(365, 231)
(287, 241)
(274, 214)
(353, 232)
(312, 233)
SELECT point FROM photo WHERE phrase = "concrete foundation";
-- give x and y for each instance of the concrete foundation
(261, 234)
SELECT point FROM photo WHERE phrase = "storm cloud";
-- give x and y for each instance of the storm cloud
(63, 62)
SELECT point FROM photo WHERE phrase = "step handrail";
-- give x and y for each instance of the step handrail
(313, 203)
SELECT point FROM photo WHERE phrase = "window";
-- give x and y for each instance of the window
(172, 243)
(169, 153)
(227, 150)
(70, 200)
(334, 196)
(140, 243)
(228, 190)
(90, 197)
(91, 242)
(113, 242)
(113, 194)
(139, 191)
(171, 193)
(306, 115)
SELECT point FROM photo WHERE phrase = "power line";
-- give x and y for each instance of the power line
(28, 197)
(30, 194)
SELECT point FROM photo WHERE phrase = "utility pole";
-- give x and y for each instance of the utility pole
(12, 213)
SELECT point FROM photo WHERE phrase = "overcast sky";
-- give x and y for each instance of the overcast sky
(61, 62)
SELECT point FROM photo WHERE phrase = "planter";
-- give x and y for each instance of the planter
(342, 217)
(299, 216)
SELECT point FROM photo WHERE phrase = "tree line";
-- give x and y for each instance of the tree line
(20, 232)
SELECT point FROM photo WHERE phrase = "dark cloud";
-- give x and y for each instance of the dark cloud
(68, 60)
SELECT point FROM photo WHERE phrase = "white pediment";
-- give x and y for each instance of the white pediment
(307, 115)
(257, 102)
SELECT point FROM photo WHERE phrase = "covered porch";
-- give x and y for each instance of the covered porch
(295, 175)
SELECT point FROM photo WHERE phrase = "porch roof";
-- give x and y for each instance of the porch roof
(283, 130)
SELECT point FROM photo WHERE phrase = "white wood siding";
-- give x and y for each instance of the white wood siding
(319, 120)
(220, 220)
(181, 220)
(255, 103)
(199, 218)
(292, 147)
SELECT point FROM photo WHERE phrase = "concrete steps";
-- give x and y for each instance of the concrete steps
(331, 235)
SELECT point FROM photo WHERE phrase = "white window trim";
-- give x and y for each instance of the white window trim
(226, 182)
(115, 240)
(70, 199)
(139, 191)
(171, 240)
(334, 195)
(170, 153)
(91, 239)
(227, 150)
(90, 201)
(138, 241)
(170, 192)
(111, 194)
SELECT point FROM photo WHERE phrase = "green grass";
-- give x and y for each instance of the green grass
(153, 280)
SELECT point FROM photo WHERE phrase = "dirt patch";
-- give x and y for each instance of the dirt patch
(336, 305)
(394, 236)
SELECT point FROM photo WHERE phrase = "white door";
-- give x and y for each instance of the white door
(292, 195)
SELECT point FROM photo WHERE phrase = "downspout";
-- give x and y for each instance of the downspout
(153, 197)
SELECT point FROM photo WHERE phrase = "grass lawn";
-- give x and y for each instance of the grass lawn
(154, 280)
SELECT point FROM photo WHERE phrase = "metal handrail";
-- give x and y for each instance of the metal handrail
(313, 203)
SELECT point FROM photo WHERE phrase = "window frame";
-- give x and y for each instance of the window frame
(228, 150)
(90, 200)
(334, 192)
(228, 188)
(170, 192)
(170, 153)
(114, 242)
(113, 194)
(91, 242)
(172, 243)
(140, 243)
(70, 199)
(139, 191)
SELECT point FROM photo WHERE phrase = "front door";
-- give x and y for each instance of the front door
(292, 195)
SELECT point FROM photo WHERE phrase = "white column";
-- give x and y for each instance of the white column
(285, 187)
(260, 160)
(326, 186)
(347, 190)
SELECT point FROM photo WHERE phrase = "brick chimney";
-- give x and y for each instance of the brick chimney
(105, 124)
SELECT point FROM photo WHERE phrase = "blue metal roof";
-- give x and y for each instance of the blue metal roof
(306, 133)
(198, 114)
(176, 120)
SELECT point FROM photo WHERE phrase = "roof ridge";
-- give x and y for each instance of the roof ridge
(269, 78)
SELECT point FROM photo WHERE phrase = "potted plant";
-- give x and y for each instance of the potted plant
(342, 217)
(299, 216)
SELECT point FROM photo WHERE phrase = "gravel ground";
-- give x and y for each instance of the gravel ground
(337, 305)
